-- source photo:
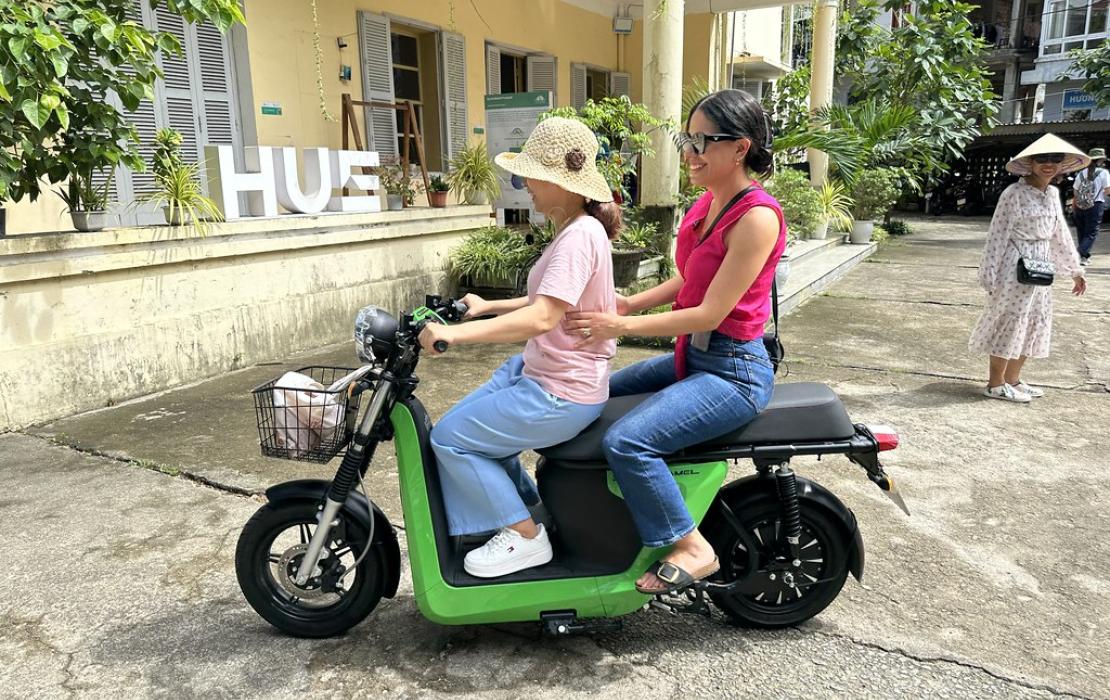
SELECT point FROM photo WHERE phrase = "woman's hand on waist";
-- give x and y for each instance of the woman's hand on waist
(594, 326)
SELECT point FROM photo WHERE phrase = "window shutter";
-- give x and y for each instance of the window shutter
(541, 74)
(179, 102)
(493, 70)
(619, 84)
(577, 85)
(377, 82)
(218, 124)
(453, 70)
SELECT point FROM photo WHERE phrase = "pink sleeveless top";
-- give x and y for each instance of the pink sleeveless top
(698, 263)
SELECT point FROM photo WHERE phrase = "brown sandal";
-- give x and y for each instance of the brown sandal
(676, 578)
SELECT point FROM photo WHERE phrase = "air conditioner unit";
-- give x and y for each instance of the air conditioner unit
(622, 25)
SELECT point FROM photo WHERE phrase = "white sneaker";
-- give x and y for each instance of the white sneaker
(1007, 393)
(1034, 392)
(508, 551)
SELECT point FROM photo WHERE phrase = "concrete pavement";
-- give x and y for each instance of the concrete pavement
(123, 522)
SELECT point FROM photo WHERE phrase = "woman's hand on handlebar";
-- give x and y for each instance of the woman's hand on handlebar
(434, 332)
(476, 306)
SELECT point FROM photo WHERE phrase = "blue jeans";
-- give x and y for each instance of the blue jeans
(1087, 222)
(479, 441)
(727, 386)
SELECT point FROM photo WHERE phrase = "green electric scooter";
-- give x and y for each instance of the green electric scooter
(319, 556)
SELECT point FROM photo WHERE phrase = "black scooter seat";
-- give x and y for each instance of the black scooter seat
(798, 412)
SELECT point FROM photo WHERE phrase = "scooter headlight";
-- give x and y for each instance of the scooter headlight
(375, 335)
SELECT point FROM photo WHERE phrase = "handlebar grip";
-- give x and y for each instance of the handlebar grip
(461, 308)
(440, 345)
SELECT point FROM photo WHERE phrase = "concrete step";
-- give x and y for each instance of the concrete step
(819, 269)
(808, 248)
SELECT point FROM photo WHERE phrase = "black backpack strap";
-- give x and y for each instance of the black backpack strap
(775, 303)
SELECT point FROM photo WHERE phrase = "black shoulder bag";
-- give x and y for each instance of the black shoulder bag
(775, 350)
(1040, 273)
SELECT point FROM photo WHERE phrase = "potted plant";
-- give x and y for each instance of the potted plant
(490, 261)
(178, 186)
(473, 176)
(874, 193)
(629, 248)
(835, 209)
(437, 192)
(86, 203)
(389, 179)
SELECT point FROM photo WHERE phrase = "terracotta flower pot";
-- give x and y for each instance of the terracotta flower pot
(437, 199)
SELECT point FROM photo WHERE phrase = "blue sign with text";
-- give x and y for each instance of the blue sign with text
(1077, 99)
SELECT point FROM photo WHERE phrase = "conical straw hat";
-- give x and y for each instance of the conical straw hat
(562, 151)
(1049, 143)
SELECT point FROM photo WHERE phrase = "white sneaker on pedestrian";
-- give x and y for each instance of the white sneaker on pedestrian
(1085, 261)
(1007, 393)
(508, 551)
(1034, 392)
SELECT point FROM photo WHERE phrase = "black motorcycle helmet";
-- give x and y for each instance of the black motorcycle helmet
(375, 335)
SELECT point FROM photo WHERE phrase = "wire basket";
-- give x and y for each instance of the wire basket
(300, 418)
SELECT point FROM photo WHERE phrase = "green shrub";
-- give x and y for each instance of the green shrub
(801, 203)
(874, 192)
(897, 227)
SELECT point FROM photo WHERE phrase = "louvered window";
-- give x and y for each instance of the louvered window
(196, 97)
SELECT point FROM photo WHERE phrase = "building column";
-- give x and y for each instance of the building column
(662, 72)
(822, 60)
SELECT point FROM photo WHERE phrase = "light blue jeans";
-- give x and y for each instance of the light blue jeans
(479, 441)
(727, 386)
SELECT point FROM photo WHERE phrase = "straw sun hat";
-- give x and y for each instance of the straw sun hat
(564, 152)
(1075, 159)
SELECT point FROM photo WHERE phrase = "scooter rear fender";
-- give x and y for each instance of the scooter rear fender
(737, 494)
(356, 507)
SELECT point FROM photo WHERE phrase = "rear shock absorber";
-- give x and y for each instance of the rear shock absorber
(787, 486)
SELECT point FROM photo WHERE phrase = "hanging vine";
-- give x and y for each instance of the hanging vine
(319, 64)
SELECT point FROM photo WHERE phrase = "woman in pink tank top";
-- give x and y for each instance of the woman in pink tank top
(719, 376)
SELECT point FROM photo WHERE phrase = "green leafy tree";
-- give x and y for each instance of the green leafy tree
(60, 61)
(931, 63)
(869, 135)
(623, 129)
(1094, 66)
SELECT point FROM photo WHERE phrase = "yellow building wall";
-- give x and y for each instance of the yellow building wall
(283, 65)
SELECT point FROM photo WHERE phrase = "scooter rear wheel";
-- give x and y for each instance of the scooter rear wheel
(773, 591)
(268, 555)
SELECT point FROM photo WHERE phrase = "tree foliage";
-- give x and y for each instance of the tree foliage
(931, 63)
(61, 61)
(1094, 66)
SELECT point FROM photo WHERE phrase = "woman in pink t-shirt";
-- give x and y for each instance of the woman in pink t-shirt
(552, 391)
(719, 376)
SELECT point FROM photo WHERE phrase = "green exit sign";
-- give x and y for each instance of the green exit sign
(271, 108)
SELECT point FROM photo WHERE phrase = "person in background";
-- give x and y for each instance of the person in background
(1089, 193)
(1029, 224)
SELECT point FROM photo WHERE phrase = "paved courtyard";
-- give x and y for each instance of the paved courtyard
(122, 526)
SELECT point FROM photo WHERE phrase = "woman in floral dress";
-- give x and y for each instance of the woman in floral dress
(1028, 222)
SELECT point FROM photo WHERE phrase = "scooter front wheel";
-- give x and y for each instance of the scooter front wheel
(773, 589)
(267, 558)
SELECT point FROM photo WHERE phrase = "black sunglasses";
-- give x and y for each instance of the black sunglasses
(699, 142)
(1043, 158)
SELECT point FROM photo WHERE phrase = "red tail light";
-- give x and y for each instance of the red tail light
(885, 435)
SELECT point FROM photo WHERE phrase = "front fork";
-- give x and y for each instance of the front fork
(359, 453)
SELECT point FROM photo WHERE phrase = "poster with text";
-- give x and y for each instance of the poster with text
(510, 119)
